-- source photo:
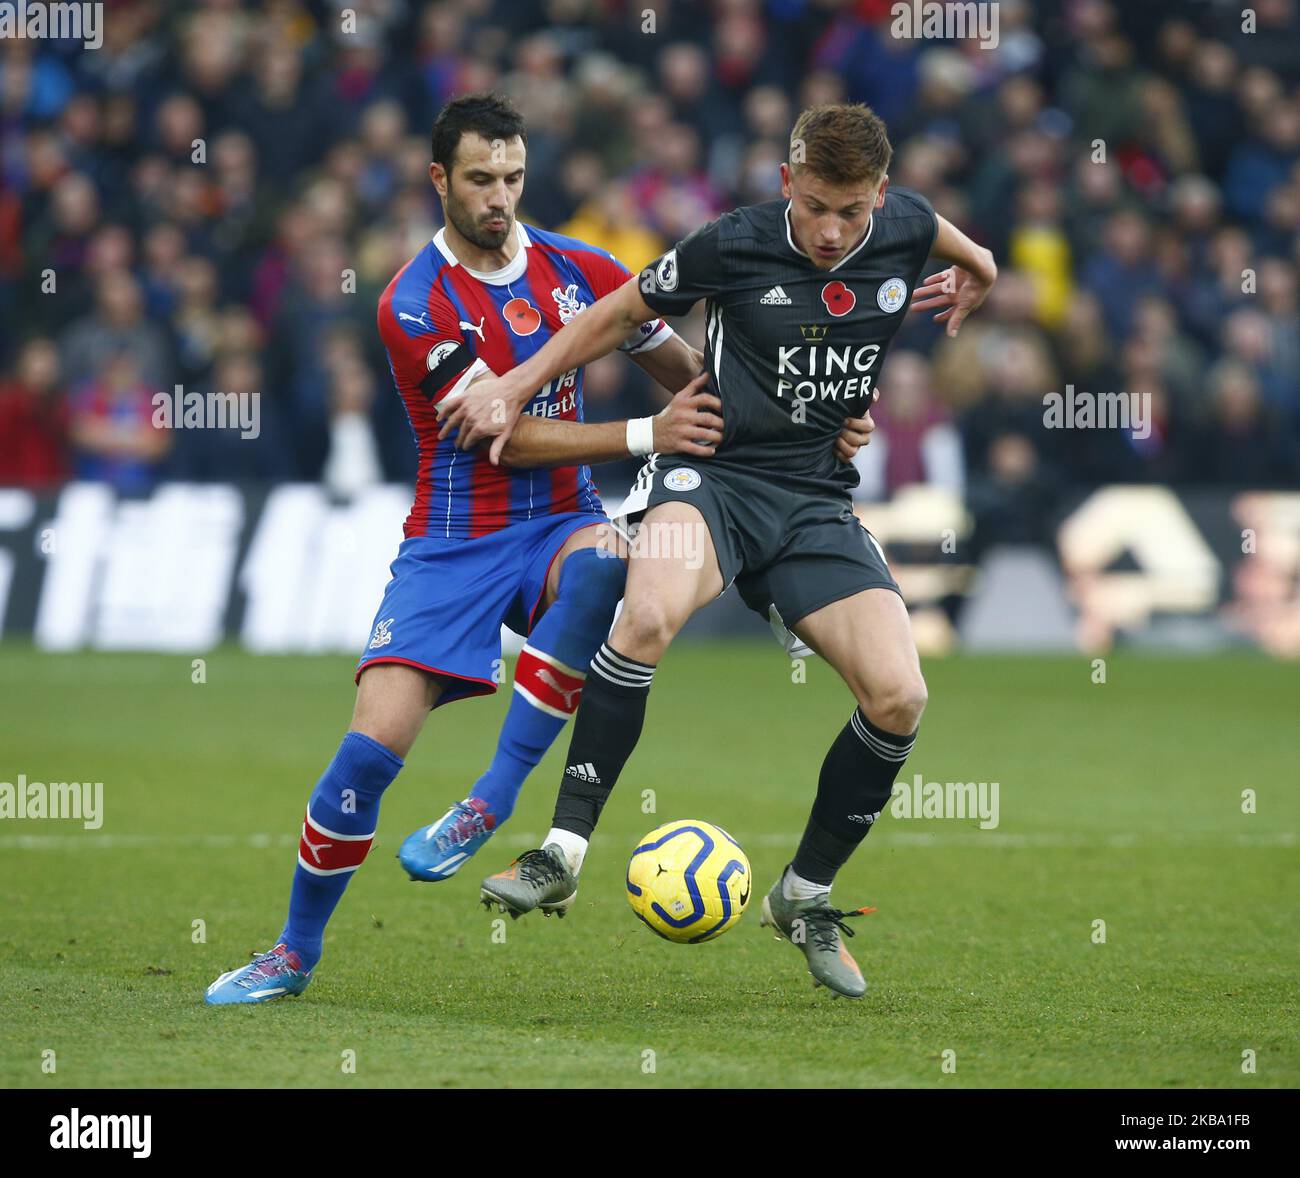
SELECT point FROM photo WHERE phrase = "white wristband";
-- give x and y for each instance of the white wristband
(641, 435)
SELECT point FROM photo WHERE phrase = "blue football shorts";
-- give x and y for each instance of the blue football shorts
(444, 606)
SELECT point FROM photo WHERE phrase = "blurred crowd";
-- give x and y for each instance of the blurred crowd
(216, 197)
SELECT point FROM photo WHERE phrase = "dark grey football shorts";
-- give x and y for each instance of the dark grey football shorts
(793, 549)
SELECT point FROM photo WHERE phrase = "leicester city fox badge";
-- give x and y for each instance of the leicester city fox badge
(682, 479)
(891, 295)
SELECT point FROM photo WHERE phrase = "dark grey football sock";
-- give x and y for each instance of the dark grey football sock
(856, 781)
(605, 732)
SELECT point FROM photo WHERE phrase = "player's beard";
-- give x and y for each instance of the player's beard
(472, 231)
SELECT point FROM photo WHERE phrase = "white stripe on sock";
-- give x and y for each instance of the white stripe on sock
(885, 751)
(538, 704)
(324, 870)
(554, 662)
(616, 674)
(631, 666)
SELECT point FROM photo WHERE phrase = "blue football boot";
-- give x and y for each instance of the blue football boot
(273, 974)
(440, 850)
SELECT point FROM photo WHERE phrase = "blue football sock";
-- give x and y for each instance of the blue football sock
(342, 814)
(550, 673)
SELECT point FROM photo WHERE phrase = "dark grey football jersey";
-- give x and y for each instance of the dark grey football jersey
(792, 350)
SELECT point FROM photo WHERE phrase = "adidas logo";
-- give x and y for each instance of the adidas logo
(776, 297)
(585, 772)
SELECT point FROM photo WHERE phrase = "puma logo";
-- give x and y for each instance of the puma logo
(546, 677)
(415, 319)
(314, 848)
(471, 327)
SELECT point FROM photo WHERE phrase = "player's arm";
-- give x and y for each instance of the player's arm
(674, 364)
(688, 424)
(540, 441)
(693, 269)
(490, 408)
(961, 288)
(856, 432)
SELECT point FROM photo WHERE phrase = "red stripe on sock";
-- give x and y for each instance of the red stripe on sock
(327, 852)
(548, 684)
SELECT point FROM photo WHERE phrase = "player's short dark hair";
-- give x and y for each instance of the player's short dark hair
(491, 115)
(843, 143)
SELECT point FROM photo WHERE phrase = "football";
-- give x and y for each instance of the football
(688, 881)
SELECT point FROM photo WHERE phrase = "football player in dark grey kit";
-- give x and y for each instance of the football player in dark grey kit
(803, 296)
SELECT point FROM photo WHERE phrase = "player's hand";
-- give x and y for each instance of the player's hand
(489, 408)
(854, 434)
(691, 423)
(955, 289)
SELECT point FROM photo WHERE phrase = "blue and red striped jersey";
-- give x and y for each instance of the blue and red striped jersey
(443, 324)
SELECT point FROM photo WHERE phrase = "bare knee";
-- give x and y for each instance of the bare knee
(897, 706)
(644, 630)
(393, 733)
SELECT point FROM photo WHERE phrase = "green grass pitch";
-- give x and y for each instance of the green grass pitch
(1119, 802)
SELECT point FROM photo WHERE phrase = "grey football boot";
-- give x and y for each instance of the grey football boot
(537, 879)
(815, 927)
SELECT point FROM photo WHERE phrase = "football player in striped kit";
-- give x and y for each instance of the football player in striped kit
(526, 543)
